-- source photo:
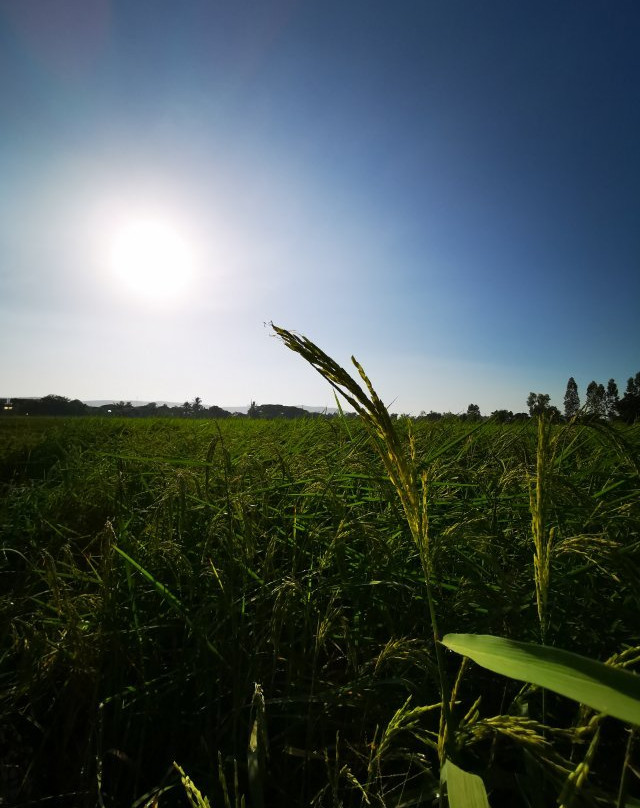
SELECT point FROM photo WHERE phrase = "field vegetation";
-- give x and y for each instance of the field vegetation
(259, 601)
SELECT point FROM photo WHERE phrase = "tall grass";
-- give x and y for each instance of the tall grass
(466, 787)
(400, 465)
(153, 572)
(543, 535)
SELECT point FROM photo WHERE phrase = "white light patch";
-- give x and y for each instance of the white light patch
(153, 259)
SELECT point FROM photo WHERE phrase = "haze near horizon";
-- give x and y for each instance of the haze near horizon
(446, 190)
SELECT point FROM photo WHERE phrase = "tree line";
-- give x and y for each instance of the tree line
(60, 405)
(600, 402)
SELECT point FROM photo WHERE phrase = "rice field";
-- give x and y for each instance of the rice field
(255, 601)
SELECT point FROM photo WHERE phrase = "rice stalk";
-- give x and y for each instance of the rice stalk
(626, 766)
(578, 777)
(405, 719)
(258, 750)
(401, 470)
(196, 800)
(543, 538)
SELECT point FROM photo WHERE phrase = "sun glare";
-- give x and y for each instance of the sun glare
(152, 258)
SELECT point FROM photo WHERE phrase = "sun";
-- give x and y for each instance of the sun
(152, 258)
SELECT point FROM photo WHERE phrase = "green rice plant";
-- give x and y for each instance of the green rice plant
(400, 466)
(288, 553)
(258, 748)
(543, 535)
(195, 797)
(412, 488)
(605, 688)
(626, 766)
(465, 789)
(406, 719)
(576, 779)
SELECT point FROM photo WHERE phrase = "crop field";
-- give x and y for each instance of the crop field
(249, 599)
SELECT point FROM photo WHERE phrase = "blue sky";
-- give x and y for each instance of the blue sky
(448, 190)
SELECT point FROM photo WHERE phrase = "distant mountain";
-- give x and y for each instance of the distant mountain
(243, 408)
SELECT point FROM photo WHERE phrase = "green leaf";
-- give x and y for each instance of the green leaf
(171, 598)
(602, 687)
(258, 749)
(464, 790)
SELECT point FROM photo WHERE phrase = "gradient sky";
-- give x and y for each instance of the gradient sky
(449, 190)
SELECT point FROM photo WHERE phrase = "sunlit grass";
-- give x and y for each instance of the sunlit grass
(154, 571)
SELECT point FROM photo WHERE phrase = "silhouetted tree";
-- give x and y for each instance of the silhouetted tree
(473, 412)
(124, 408)
(502, 416)
(538, 403)
(148, 410)
(554, 414)
(56, 405)
(429, 416)
(629, 404)
(612, 399)
(595, 403)
(280, 411)
(571, 399)
(51, 405)
(217, 412)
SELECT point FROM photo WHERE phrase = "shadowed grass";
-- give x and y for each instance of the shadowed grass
(288, 550)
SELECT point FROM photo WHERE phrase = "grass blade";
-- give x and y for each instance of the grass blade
(168, 595)
(464, 790)
(602, 687)
(171, 598)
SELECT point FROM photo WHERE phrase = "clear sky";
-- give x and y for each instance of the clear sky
(448, 189)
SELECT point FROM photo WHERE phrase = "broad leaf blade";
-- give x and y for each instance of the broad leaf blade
(464, 790)
(606, 689)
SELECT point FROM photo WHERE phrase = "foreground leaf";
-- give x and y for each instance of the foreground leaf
(464, 790)
(602, 687)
